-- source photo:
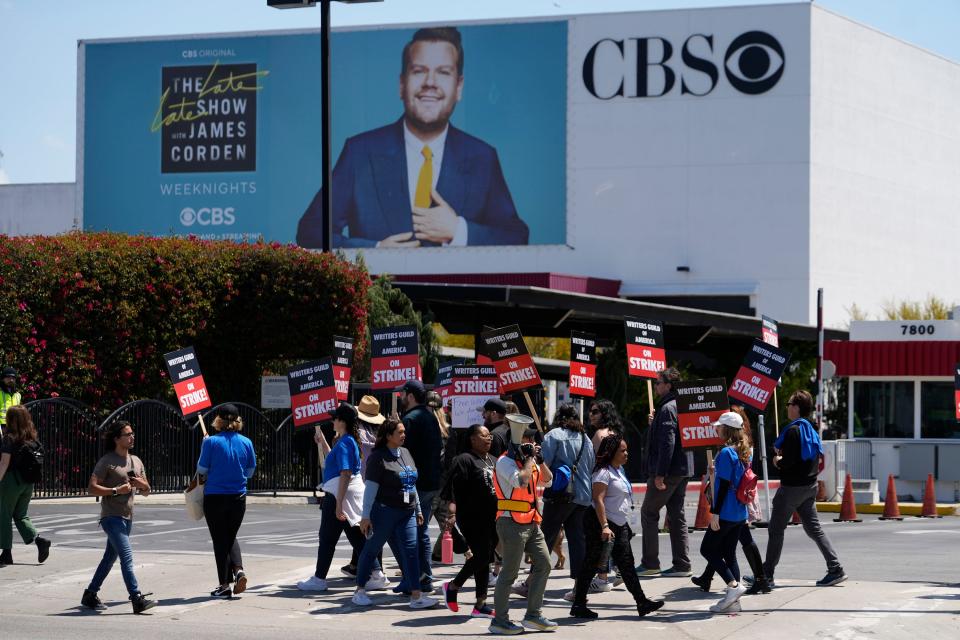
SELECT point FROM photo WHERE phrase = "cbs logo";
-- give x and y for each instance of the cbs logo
(207, 216)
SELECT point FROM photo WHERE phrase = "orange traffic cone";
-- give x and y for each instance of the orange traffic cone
(929, 500)
(891, 508)
(702, 523)
(848, 510)
(821, 491)
(795, 520)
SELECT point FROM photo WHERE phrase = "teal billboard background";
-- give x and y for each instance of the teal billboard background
(514, 99)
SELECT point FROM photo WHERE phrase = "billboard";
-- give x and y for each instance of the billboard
(219, 136)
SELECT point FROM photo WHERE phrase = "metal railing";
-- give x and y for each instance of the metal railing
(169, 446)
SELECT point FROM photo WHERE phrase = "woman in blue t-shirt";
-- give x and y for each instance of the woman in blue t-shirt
(719, 545)
(342, 499)
(226, 462)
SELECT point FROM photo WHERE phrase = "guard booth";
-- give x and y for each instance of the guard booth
(900, 384)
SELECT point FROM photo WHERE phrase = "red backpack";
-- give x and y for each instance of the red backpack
(747, 489)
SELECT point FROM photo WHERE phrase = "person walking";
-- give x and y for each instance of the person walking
(342, 502)
(750, 549)
(21, 459)
(116, 479)
(369, 420)
(424, 441)
(607, 530)
(227, 461)
(666, 484)
(568, 452)
(519, 472)
(798, 455)
(470, 486)
(391, 509)
(729, 514)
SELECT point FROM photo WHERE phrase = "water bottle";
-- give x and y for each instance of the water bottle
(446, 548)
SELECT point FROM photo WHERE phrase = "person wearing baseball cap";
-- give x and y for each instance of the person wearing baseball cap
(425, 444)
(719, 545)
(9, 396)
(227, 461)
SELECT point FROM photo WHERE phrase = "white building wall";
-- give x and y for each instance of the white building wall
(36, 209)
(884, 169)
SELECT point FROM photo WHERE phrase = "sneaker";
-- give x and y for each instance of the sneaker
(832, 578)
(600, 586)
(492, 580)
(732, 595)
(377, 581)
(583, 613)
(521, 589)
(733, 608)
(427, 588)
(673, 572)
(749, 581)
(43, 549)
(361, 599)
(6, 557)
(91, 601)
(223, 591)
(643, 571)
(506, 628)
(349, 570)
(450, 596)
(313, 583)
(568, 596)
(423, 602)
(483, 611)
(646, 606)
(140, 602)
(240, 583)
(539, 623)
(617, 581)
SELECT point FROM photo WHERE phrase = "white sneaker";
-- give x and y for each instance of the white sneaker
(568, 596)
(377, 582)
(520, 589)
(732, 595)
(423, 602)
(617, 581)
(600, 586)
(313, 583)
(733, 608)
(360, 598)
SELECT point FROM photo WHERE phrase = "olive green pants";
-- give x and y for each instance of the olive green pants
(14, 502)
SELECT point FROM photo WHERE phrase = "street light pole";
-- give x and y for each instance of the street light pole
(326, 168)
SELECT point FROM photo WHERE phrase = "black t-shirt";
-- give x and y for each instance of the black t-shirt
(7, 445)
(470, 486)
(396, 475)
(501, 438)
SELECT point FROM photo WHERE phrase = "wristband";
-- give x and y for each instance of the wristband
(115, 492)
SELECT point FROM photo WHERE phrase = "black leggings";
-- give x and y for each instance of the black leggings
(746, 541)
(224, 514)
(481, 536)
(621, 554)
(330, 530)
(720, 549)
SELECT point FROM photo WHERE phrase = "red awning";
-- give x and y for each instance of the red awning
(893, 358)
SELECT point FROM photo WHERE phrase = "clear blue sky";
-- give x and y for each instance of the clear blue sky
(38, 47)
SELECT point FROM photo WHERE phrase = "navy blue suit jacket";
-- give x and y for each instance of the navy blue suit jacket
(371, 196)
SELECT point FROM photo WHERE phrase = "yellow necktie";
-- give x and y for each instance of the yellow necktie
(425, 180)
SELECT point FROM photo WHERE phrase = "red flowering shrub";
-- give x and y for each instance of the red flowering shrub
(90, 315)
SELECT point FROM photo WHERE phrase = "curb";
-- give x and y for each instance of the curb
(876, 508)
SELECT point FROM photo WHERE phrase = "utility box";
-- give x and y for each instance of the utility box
(917, 461)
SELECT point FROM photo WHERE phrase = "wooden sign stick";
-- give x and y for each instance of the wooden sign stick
(776, 413)
(650, 393)
(203, 427)
(533, 412)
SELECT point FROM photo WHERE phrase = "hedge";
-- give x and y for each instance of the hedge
(90, 315)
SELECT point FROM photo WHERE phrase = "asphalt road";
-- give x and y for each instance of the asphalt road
(873, 550)
(903, 584)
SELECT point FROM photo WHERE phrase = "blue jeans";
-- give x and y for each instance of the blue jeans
(424, 548)
(399, 526)
(118, 544)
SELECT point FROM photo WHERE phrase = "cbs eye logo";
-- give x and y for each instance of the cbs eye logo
(754, 62)
(207, 216)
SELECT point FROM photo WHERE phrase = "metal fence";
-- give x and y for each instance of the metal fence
(169, 446)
